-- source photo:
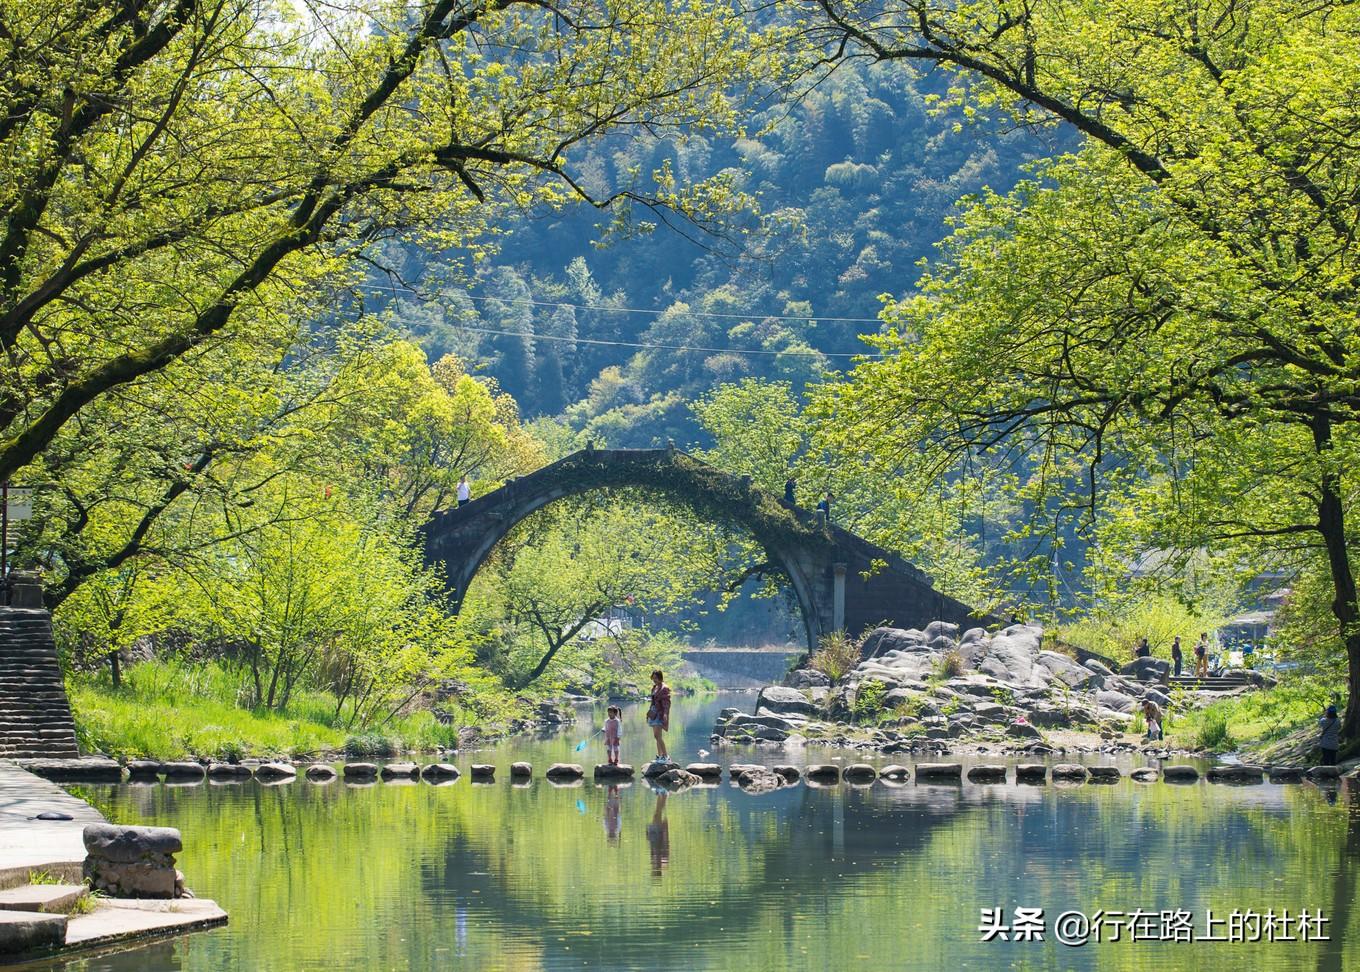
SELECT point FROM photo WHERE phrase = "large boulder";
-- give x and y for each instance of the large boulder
(880, 641)
(779, 700)
(1066, 670)
(1010, 656)
(801, 678)
(1115, 701)
(1147, 669)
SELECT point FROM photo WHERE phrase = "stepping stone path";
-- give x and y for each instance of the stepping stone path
(939, 772)
(1103, 774)
(1144, 774)
(1031, 773)
(565, 771)
(621, 771)
(1239, 774)
(1180, 774)
(895, 773)
(522, 771)
(144, 770)
(483, 772)
(760, 780)
(860, 773)
(276, 773)
(440, 771)
(320, 773)
(183, 771)
(987, 774)
(705, 771)
(1069, 773)
(361, 771)
(790, 774)
(232, 772)
(823, 773)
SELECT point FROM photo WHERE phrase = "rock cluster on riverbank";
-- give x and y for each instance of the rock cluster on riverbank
(916, 690)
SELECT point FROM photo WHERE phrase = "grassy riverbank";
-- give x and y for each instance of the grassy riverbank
(171, 710)
(1255, 722)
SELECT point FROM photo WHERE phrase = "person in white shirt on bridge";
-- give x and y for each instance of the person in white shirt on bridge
(464, 492)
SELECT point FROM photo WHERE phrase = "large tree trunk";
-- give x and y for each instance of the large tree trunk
(1332, 526)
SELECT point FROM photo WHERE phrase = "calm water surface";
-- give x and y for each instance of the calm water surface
(339, 877)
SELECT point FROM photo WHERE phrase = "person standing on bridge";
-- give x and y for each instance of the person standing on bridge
(824, 506)
(789, 485)
(659, 714)
(464, 492)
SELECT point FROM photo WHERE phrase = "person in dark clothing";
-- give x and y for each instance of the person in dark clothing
(1330, 739)
(1144, 650)
(1177, 656)
(788, 491)
(824, 507)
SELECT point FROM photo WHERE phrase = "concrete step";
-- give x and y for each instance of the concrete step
(23, 931)
(51, 898)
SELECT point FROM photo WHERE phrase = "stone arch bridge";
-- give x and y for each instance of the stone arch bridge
(840, 580)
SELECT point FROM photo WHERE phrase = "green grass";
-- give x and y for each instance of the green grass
(1254, 719)
(167, 710)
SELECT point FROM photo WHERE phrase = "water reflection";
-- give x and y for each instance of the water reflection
(499, 877)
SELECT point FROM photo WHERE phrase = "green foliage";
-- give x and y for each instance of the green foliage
(1114, 627)
(950, 665)
(1213, 734)
(759, 431)
(837, 653)
(869, 698)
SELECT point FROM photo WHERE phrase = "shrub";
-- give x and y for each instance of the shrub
(950, 665)
(1213, 732)
(869, 699)
(370, 744)
(836, 655)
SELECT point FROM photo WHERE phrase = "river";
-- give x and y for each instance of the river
(337, 877)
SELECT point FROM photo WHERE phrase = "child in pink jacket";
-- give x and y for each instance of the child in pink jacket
(613, 729)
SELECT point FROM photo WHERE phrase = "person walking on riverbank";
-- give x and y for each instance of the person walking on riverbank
(464, 492)
(1202, 656)
(659, 714)
(613, 730)
(1330, 739)
(1177, 656)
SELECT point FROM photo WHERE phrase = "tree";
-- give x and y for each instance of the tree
(184, 171)
(758, 429)
(1173, 308)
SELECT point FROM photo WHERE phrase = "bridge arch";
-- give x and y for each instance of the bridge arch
(839, 580)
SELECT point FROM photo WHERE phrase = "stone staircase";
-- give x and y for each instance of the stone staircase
(1212, 683)
(35, 715)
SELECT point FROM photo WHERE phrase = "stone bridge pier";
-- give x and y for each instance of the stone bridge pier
(841, 581)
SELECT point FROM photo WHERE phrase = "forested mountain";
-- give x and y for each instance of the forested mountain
(854, 184)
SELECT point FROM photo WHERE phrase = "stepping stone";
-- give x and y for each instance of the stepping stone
(1324, 773)
(360, 771)
(276, 773)
(144, 770)
(895, 774)
(1031, 773)
(736, 769)
(1286, 774)
(23, 931)
(229, 772)
(706, 771)
(622, 771)
(521, 771)
(791, 774)
(760, 780)
(1104, 774)
(440, 771)
(1069, 773)
(565, 771)
(320, 773)
(53, 898)
(823, 773)
(939, 772)
(1237, 774)
(398, 771)
(1145, 774)
(86, 769)
(659, 768)
(860, 773)
(989, 773)
(1180, 774)
(483, 772)
(183, 770)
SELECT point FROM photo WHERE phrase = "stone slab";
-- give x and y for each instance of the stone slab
(22, 931)
(120, 920)
(28, 844)
(52, 898)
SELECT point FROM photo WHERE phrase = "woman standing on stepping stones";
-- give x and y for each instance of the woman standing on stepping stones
(659, 714)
